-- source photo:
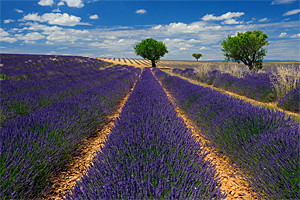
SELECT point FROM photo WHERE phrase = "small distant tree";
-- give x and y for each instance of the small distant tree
(151, 49)
(197, 55)
(246, 48)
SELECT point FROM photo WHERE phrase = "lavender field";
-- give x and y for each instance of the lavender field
(50, 104)
(279, 85)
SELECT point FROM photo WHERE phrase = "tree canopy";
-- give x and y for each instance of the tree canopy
(197, 55)
(151, 49)
(246, 48)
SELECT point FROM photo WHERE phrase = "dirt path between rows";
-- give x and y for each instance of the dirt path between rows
(63, 181)
(234, 185)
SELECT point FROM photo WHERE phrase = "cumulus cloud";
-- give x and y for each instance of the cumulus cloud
(74, 3)
(201, 48)
(6, 21)
(282, 34)
(18, 10)
(225, 16)
(263, 20)
(95, 16)
(5, 37)
(61, 3)
(282, 2)
(56, 10)
(48, 42)
(141, 11)
(180, 27)
(54, 18)
(295, 36)
(46, 2)
(3, 32)
(182, 48)
(115, 45)
(291, 12)
(30, 37)
(231, 21)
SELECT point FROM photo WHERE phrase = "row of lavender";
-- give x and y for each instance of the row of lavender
(257, 86)
(150, 154)
(36, 145)
(261, 142)
(26, 66)
(26, 97)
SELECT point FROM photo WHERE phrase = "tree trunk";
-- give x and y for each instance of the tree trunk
(197, 59)
(153, 63)
(250, 66)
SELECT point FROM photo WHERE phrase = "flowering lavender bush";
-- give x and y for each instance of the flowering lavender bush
(263, 143)
(190, 73)
(150, 154)
(177, 70)
(255, 86)
(291, 101)
(36, 145)
(159, 73)
(28, 102)
(24, 66)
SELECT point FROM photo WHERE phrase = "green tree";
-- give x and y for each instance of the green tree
(246, 48)
(151, 49)
(197, 55)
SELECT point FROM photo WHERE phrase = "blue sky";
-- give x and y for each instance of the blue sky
(111, 28)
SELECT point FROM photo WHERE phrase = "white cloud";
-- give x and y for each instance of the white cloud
(231, 21)
(193, 41)
(141, 11)
(54, 18)
(61, 3)
(225, 16)
(282, 34)
(203, 48)
(56, 10)
(291, 12)
(49, 43)
(6, 21)
(46, 2)
(182, 48)
(282, 2)
(29, 42)
(115, 45)
(174, 28)
(18, 10)
(84, 23)
(5, 37)
(74, 3)
(295, 36)
(52, 53)
(3, 33)
(263, 20)
(95, 16)
(30, 37)
(63, 48)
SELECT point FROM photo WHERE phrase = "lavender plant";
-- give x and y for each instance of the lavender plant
(26, 103)
(34, 146)
(150, 154)
(261, 142)
(291, 101)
